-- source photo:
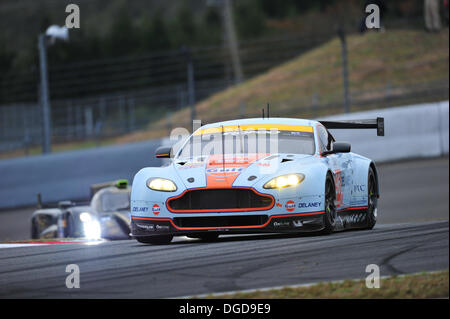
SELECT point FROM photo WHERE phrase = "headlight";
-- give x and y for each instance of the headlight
(91, 226)
(285, 181)
(85, 217)
(161, 184)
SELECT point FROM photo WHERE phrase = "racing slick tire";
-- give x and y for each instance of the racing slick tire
(35, 232)
(373, 200)
(155, 240)
(205, 237)
(330, 216)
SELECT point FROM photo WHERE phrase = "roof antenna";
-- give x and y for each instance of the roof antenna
(263, 113)
(268, 110)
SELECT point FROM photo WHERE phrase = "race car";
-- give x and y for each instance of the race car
(276, 175)
(106, 216)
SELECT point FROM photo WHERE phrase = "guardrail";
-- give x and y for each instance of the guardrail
(411, 131)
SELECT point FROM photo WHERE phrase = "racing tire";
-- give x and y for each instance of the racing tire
(155, 240)
(205, 237)
(35, 233)
(329, 219)
(372, 200)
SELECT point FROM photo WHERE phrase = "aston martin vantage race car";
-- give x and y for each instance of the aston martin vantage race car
(106, 216)
(257, 175)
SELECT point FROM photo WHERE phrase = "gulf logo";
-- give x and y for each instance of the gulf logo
(227, 171)
(290, 205)
(156, 209)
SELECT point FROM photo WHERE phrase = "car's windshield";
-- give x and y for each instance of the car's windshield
(247, 142)
(115, 201)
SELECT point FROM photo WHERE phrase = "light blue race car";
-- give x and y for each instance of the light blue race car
(274, 175)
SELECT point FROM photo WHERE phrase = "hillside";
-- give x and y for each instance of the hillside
(399, 62)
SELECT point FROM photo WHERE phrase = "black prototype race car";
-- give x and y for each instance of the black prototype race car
(106, 216)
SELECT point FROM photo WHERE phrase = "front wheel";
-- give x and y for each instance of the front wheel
(329, 219)
(155, 240)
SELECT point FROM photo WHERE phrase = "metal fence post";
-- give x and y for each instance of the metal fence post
(388, 92)
(45, 99)
(190, 82)
(315, 104)
(89, 121)
(131, 118)
(122, 113)
(231, 38)
(343, 39)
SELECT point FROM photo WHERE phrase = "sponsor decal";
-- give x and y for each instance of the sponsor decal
(162, 227)
(290, 205)
(156, 209)
(220, 171)
(146, 226)
(140, 209)
(192, 165)
(359, 188)
(263, 164)
(297, 223)
(309, 205)
(279, 205)
(281, 224)
(338, 184)
(358, 202)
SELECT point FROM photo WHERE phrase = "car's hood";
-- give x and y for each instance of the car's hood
(223, 171)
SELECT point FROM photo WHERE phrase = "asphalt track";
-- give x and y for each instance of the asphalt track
(412, 236)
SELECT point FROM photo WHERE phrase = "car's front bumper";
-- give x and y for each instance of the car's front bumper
(282, 223)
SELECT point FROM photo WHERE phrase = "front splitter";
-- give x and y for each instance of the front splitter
(292, 223)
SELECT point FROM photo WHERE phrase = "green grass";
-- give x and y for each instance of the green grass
(422, 285)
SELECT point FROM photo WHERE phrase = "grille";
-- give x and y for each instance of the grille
(220, 221)
(220, 199)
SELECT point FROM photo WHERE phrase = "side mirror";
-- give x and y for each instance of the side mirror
(339, 147)
(163, 152)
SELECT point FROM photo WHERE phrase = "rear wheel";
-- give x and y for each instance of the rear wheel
(329, 219)
(372, 200)
(155, 240)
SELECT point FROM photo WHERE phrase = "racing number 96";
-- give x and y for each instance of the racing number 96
(246, 308)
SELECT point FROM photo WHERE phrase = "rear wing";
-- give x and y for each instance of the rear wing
(377, 124)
